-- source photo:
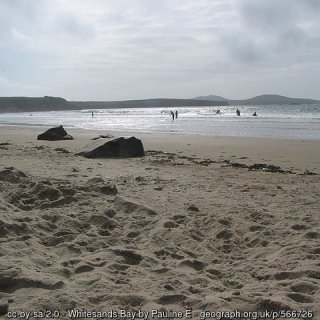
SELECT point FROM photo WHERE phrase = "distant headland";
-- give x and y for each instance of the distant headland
(26, 104)
(48, 103)
(265, 99)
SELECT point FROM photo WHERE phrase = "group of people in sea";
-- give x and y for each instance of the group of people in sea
(174, 115)
(237, 112)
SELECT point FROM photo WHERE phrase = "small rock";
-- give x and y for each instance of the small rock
(62, 150)
(53, 134)
(4, 308)
(309, 173)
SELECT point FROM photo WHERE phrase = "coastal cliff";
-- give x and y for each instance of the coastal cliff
(26, 104)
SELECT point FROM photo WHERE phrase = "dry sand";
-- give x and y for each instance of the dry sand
(187, 226)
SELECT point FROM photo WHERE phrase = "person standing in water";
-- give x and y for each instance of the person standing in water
(176, 114)
(238, 112)
(172, 115)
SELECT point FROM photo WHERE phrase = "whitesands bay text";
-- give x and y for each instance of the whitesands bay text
(160, 314)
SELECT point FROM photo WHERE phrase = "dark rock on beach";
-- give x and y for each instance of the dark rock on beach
(53, 134)
(116, 148)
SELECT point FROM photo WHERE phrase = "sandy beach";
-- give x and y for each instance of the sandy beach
(195, 224)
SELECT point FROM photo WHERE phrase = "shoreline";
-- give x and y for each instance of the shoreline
(124, 132)
(290, 154)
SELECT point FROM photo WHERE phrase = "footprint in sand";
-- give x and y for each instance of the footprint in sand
(299, 297)
(196, 265)
(162, 254)
(226, 222)
(170, 225)
(84, 268)
(256, 227)
(176, 256)
(214, 273)
(316, 250)
(312, 235)
(179, 218)
(304, 287)
(299, 227)
(224, 234)
(11, 284)
(133, 234)
(130, 257)
(171, 299)
(271, 305)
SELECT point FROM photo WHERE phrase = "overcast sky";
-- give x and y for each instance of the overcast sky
(132, 49)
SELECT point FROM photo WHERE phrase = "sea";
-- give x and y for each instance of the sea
(280, 121)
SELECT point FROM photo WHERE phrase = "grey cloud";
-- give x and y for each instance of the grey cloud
(271, 33)
(243, 48)
(72, 26)
(267, 16)
(292, 39)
